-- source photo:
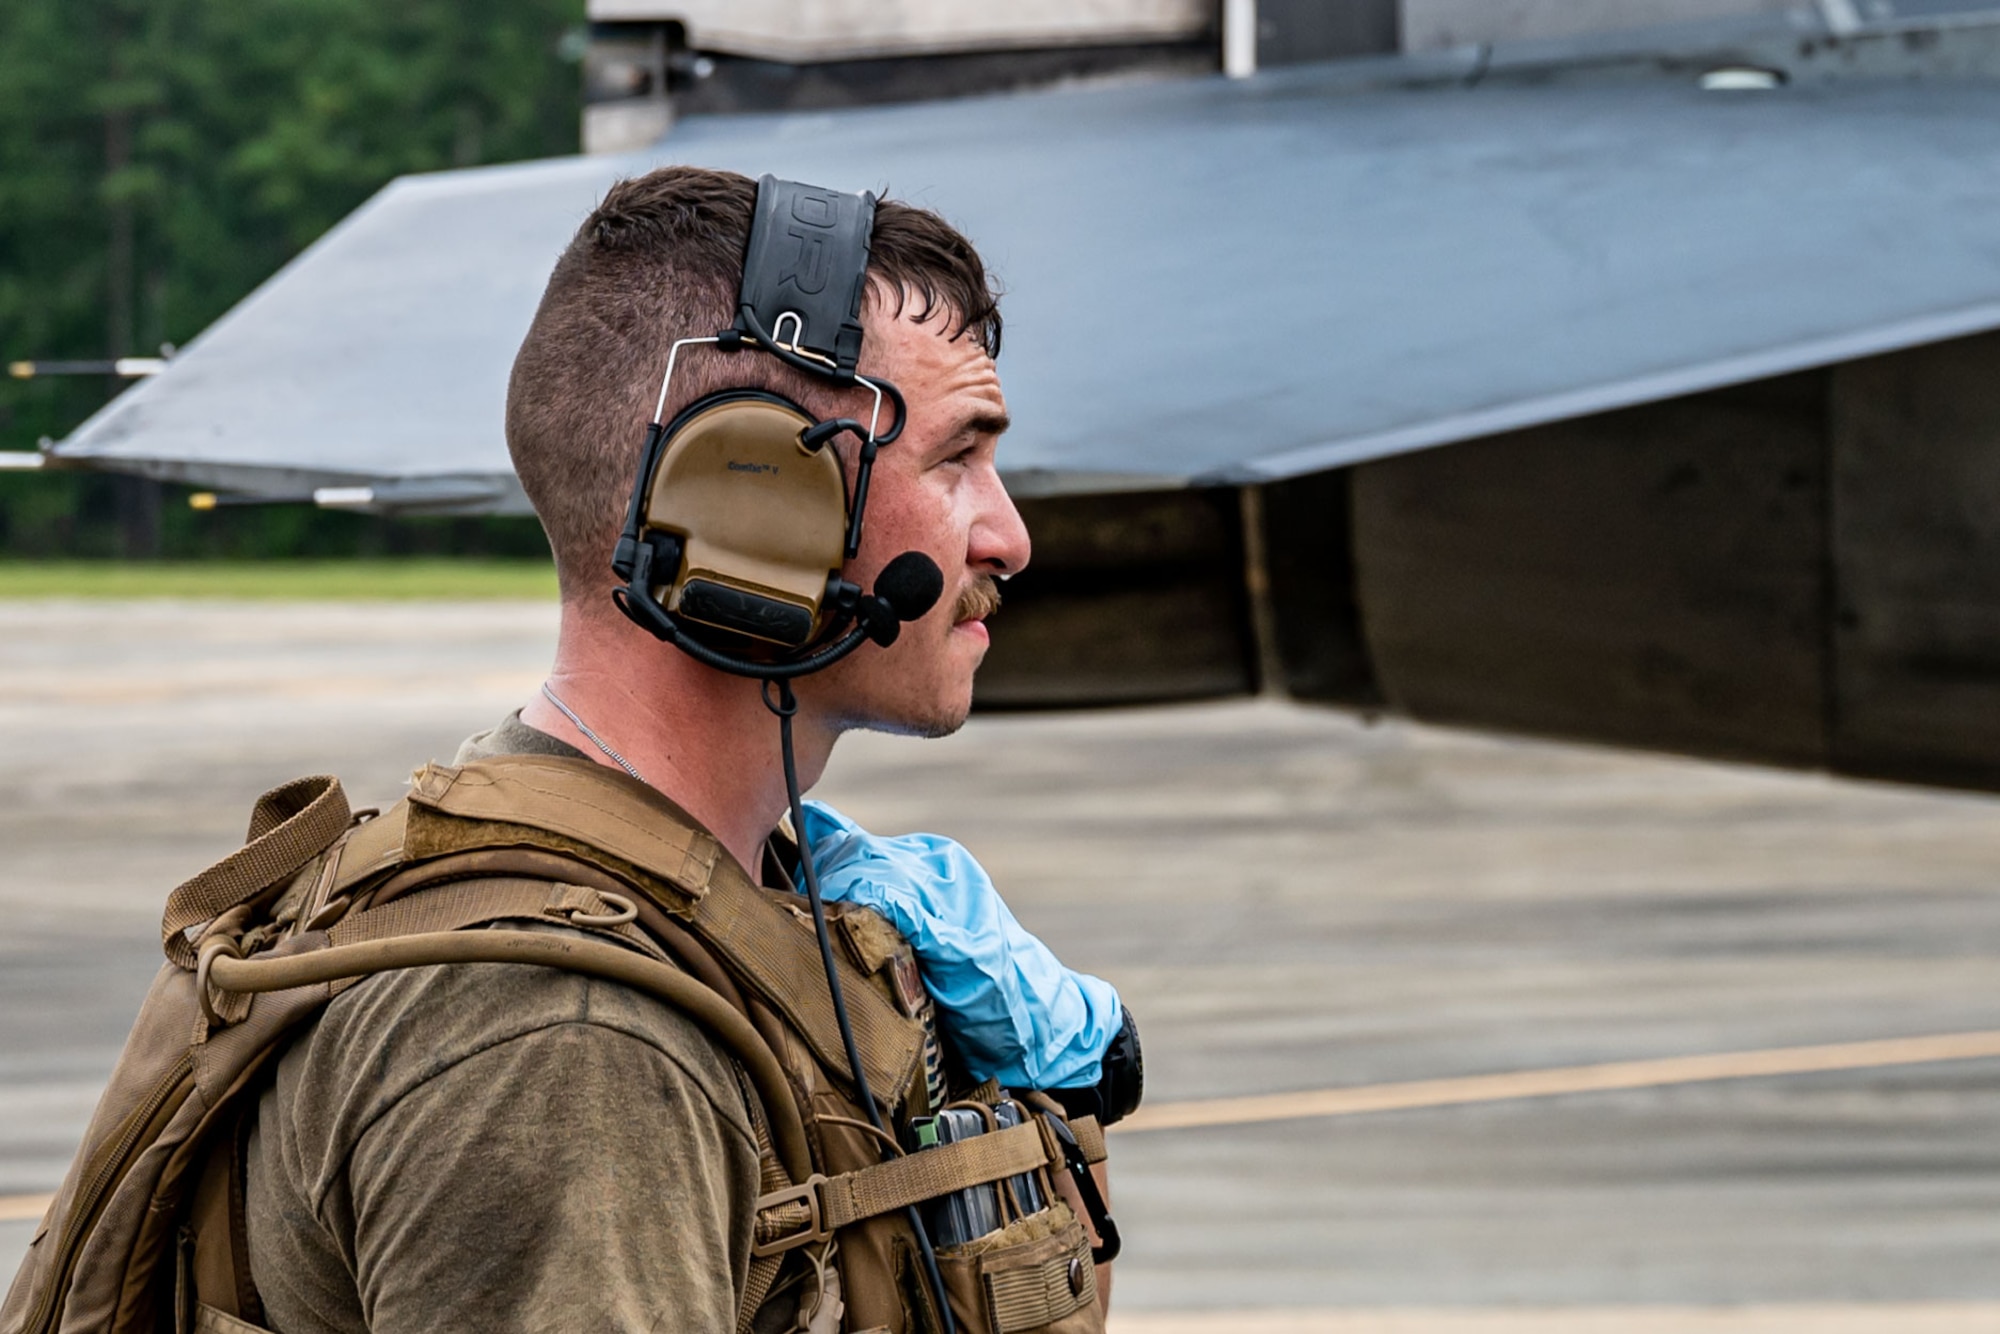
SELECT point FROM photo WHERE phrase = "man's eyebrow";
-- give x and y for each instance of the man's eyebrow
(985, 423)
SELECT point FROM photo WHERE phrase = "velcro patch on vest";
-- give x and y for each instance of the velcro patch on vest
(871, 939)
(577, 801)
(455, 810)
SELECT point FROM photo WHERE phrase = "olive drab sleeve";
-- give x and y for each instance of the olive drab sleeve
(496, 1148)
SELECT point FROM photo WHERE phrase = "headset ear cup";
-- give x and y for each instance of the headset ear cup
(746, 524)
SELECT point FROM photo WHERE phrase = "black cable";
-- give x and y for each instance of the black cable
(785, 707)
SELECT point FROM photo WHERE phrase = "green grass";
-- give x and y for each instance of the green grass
(286, 581)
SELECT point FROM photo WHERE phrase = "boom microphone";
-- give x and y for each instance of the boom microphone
(908, 586)
(911, 584)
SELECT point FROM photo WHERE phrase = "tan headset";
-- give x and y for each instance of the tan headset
(740, 519)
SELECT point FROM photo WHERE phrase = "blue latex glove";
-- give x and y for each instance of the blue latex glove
(1010, 1008)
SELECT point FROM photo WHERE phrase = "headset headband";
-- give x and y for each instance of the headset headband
(806, 270)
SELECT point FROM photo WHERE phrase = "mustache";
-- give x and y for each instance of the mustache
(978, 600)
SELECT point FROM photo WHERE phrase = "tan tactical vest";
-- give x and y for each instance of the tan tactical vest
(147, 1231)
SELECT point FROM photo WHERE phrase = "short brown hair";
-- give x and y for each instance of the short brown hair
(659, 260)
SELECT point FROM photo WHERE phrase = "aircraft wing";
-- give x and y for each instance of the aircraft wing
(1209, 281)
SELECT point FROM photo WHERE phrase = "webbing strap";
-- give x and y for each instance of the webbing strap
(288, 828)
(1090, 1138)
(762, 1272)
(930, 1173)
(371, 849)
(462, 903)
(823, 1205)
(758, 1279)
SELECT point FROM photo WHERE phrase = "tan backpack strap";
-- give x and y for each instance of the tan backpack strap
(449, 906)
(374, 848)
(655, 931)
(290, 826)
(821, 1206)
(493, 863)
(458, 904)
(758, 1279)
(762, 1272)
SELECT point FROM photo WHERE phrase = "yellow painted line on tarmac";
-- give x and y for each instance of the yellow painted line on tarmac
(23, 1208)
(1828, 1318)
(1420, 1093)
(1609, 1077)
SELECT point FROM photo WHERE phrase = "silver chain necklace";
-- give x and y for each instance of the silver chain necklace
(595, 739)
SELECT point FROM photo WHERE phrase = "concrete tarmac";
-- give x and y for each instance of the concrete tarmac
(1288, 898)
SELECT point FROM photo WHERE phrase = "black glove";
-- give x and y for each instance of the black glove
(1117, 1092)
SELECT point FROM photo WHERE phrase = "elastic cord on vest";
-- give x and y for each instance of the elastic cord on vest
(785, 706)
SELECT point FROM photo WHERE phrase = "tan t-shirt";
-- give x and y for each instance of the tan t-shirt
(501, 1147)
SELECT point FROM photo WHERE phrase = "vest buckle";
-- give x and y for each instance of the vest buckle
(790, 1218)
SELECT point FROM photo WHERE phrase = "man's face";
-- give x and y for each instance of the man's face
(935, 490)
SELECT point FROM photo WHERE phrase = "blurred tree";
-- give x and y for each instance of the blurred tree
(160, 158)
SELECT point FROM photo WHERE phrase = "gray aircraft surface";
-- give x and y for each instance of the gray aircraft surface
(1635, 387)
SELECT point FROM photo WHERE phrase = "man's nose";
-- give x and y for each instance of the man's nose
(1000, 543)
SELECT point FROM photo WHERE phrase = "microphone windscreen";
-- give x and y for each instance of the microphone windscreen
(910, 584)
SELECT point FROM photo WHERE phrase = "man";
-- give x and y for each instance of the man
(496, 1146)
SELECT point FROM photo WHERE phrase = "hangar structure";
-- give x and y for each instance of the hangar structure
(1640, 391)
